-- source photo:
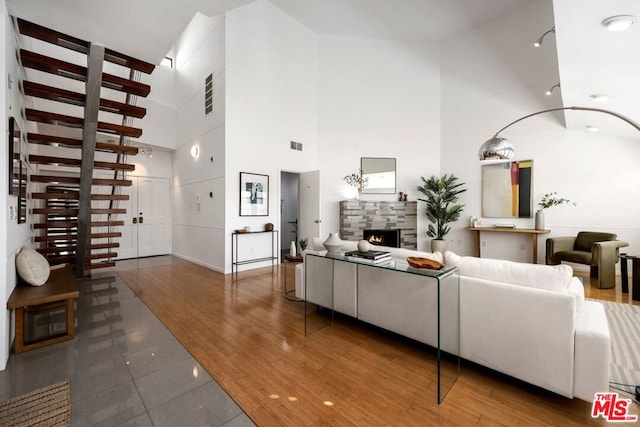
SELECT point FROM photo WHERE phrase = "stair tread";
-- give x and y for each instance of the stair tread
(109, 197)
(94, 266)
(77, 122)
(68, 195)
(36, 138)
(74, 224)
(57, 38)
(50, 65)
(74, 211)
(74, 180)
(103, 245)
(102, 255)
(74, 98)
(53, 160)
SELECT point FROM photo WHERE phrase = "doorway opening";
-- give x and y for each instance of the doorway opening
(289, 211)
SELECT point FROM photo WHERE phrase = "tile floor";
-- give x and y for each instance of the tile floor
(124, 366)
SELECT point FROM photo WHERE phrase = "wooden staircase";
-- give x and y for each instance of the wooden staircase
(75, 214)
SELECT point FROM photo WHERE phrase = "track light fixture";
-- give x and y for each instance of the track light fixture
(538, 42)
(550, 90)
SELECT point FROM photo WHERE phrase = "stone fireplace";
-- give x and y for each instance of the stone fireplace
(359, 215)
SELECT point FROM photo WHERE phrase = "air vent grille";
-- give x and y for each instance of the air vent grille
(208, 94)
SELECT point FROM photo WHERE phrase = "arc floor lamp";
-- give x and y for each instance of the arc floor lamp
(499, 148)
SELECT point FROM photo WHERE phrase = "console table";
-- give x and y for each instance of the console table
(534, 237)
(421, 304)
(234, 250)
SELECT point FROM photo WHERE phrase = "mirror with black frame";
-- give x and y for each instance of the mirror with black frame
(14, 157)
(22, 194)
(380, 173)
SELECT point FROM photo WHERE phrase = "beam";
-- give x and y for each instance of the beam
(95, 61)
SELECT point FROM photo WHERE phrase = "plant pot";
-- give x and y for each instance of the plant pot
(540, 219)
(439, 245)
(333, 243)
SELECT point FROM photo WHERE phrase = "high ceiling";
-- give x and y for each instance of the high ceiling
(591, 59)
(398, 19)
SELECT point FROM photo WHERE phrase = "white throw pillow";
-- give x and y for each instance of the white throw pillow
(32, 267)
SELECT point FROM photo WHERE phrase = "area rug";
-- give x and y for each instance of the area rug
(624, 326)
(46, 406)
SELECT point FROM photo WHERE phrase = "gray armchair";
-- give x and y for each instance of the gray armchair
(598, 250)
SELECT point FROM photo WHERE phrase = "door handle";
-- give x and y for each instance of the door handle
(318, 221)
(140, 220)
(135, 220)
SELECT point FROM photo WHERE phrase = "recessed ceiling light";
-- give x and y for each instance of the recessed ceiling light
(593, 128)
(618, 22)
(599, 97)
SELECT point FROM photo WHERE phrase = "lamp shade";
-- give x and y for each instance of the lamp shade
(496, 148)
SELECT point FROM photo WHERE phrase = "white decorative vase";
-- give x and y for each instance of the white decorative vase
(364, 246)
(333, 243)
(540, 219)
(438, 245)
(292, 249)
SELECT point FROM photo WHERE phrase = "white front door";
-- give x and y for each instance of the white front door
(309, 224)
(154, 216)
(147, 223)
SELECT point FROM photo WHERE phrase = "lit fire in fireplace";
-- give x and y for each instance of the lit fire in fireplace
(376, 239)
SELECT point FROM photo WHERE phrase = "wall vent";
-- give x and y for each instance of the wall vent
(296, 146)
(208, 94)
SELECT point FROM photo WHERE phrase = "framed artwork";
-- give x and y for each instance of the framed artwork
(254, 194)
(507, 190)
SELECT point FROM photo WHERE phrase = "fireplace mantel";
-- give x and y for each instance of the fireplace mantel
(358, 215)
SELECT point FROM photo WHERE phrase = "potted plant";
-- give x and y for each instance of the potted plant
(358, 181)
(547, 201)
(441, 196)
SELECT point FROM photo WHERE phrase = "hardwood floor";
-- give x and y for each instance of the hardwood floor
(251, 340)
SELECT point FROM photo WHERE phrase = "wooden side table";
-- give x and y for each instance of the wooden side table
(290, 263)
(35, 303)
(635, 275)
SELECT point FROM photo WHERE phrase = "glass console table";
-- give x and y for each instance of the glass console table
(420, 304)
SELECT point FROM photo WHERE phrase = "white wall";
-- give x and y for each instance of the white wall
(271, 99)
(377, 98)
(14, 235)
(492, 76)
(199, 229)
(159, 124)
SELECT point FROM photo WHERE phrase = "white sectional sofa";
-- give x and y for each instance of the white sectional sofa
(528, 321)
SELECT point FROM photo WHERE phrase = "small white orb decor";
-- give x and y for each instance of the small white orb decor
(364, 246)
